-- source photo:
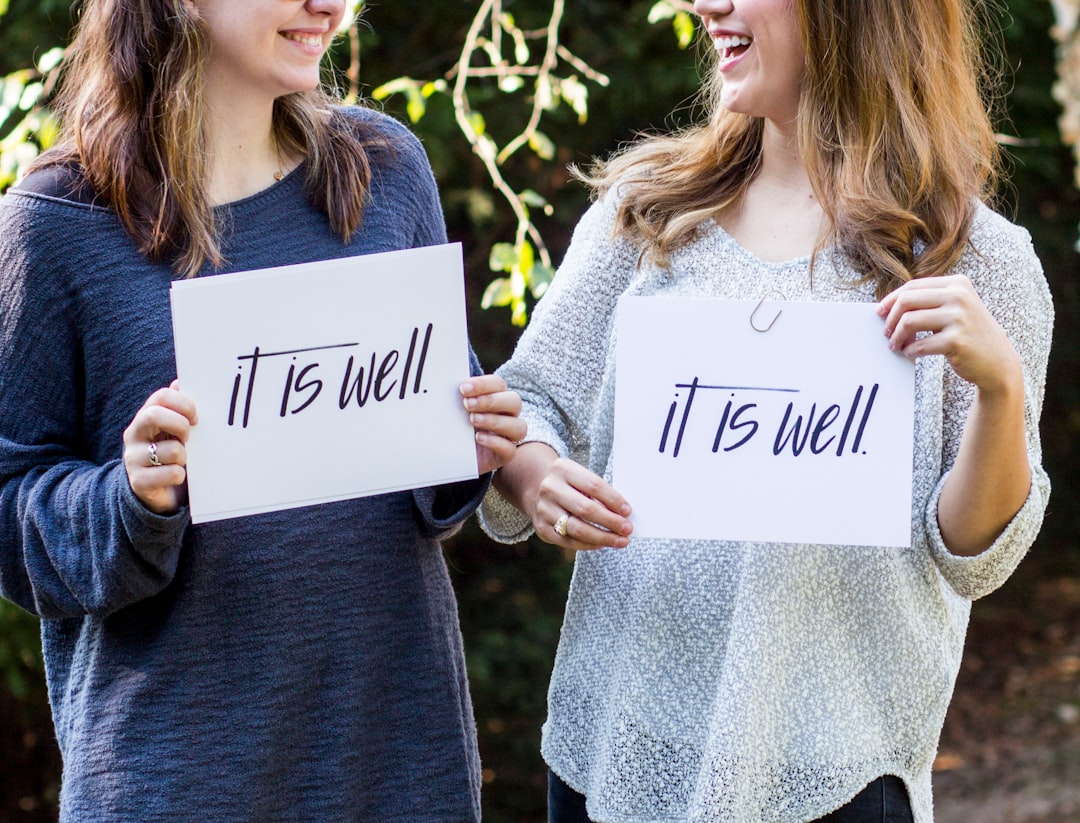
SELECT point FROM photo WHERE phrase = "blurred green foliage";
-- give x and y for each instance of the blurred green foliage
(511, 598)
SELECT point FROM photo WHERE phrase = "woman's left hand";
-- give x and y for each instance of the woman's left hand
(494, 412)
(962, 329)
(989, 479)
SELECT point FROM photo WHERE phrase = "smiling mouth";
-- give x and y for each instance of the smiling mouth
(731, 46)
(312, 40)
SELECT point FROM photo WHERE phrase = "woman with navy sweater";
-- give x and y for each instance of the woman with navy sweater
(295, 665)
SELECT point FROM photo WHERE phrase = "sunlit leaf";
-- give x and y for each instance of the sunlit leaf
(503, 257)
(575, 93)
(684, 29)
(519, 317)
(399, 85)
(545, 94)
(661, 11)
(510, 83)
(12, 90)
(50, 59)
(517, 284)
(540, 279)
(31, 94)
(433, 87)
(477, 122)
(48, 131)
(526, 260)
(542, 145)
(497, 293)
(417, 105)
(532, 198)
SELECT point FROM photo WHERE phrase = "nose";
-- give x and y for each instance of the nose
(334, 8)
(705, 8)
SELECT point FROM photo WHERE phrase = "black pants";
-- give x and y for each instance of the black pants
(885, 800)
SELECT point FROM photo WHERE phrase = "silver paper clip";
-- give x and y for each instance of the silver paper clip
(757, 308)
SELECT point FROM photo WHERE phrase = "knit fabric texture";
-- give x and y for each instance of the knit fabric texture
(727, 681)
(297, 665)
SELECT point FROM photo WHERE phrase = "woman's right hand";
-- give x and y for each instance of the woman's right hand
(569, 505)
(155, 455)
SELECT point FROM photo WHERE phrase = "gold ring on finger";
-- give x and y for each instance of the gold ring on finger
(560, 524)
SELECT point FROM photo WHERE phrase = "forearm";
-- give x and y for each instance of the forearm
(77, 541)
(991, 477)
(519, 480)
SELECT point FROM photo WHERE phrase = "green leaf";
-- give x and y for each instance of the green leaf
(661, 11)
(30, 95)
(503, 257)
(50, 59)
(399, 85)
(536, 200)
(497, 293)
(517, 284)
(48, 131)
(433, 87)
(542, 145)
(526, 260)
(540, 279)
(417, 105)
(510, 84)
(575, 93)
(545, 94)
(477, 123)
(684, 29)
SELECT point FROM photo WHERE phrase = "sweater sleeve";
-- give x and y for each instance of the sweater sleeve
(444, 508)
(1009, 278)
(74, 539)
(559, 363)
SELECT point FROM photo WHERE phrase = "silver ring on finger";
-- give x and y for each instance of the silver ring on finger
(560, 524)
(154, 459)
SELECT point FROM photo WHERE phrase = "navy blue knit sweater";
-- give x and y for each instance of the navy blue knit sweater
(303, 665)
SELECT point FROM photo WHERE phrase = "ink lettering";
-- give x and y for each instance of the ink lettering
(362, 392)
(385, 368)
(384, 374)
(792, 436)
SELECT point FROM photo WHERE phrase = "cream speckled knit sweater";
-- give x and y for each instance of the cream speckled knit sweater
(719, 681)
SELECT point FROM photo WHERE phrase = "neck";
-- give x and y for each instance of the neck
(778, 218)
(781, 162)
(244, 155)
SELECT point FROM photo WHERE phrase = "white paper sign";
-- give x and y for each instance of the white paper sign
(324, 381)
(801, 434)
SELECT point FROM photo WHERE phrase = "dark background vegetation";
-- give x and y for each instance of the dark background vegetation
(511, 598)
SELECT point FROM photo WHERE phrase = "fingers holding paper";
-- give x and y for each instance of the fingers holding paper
(494, 412)
(578, 510)
(961, 328)
(155, 455)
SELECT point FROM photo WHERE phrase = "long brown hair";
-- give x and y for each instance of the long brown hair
(893, 127)
(132, 119)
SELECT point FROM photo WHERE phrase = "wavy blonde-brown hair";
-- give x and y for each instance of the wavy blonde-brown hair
(133, 121)
(893, 126)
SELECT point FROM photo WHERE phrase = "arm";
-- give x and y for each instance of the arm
(990, 478)
(74, 537)
(558, 368)
(995, 326)
(547, 487)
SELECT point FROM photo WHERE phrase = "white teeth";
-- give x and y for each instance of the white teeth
(306, 39)
(724, 43)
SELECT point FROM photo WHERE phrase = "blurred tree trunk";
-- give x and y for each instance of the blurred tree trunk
(1066, 32)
